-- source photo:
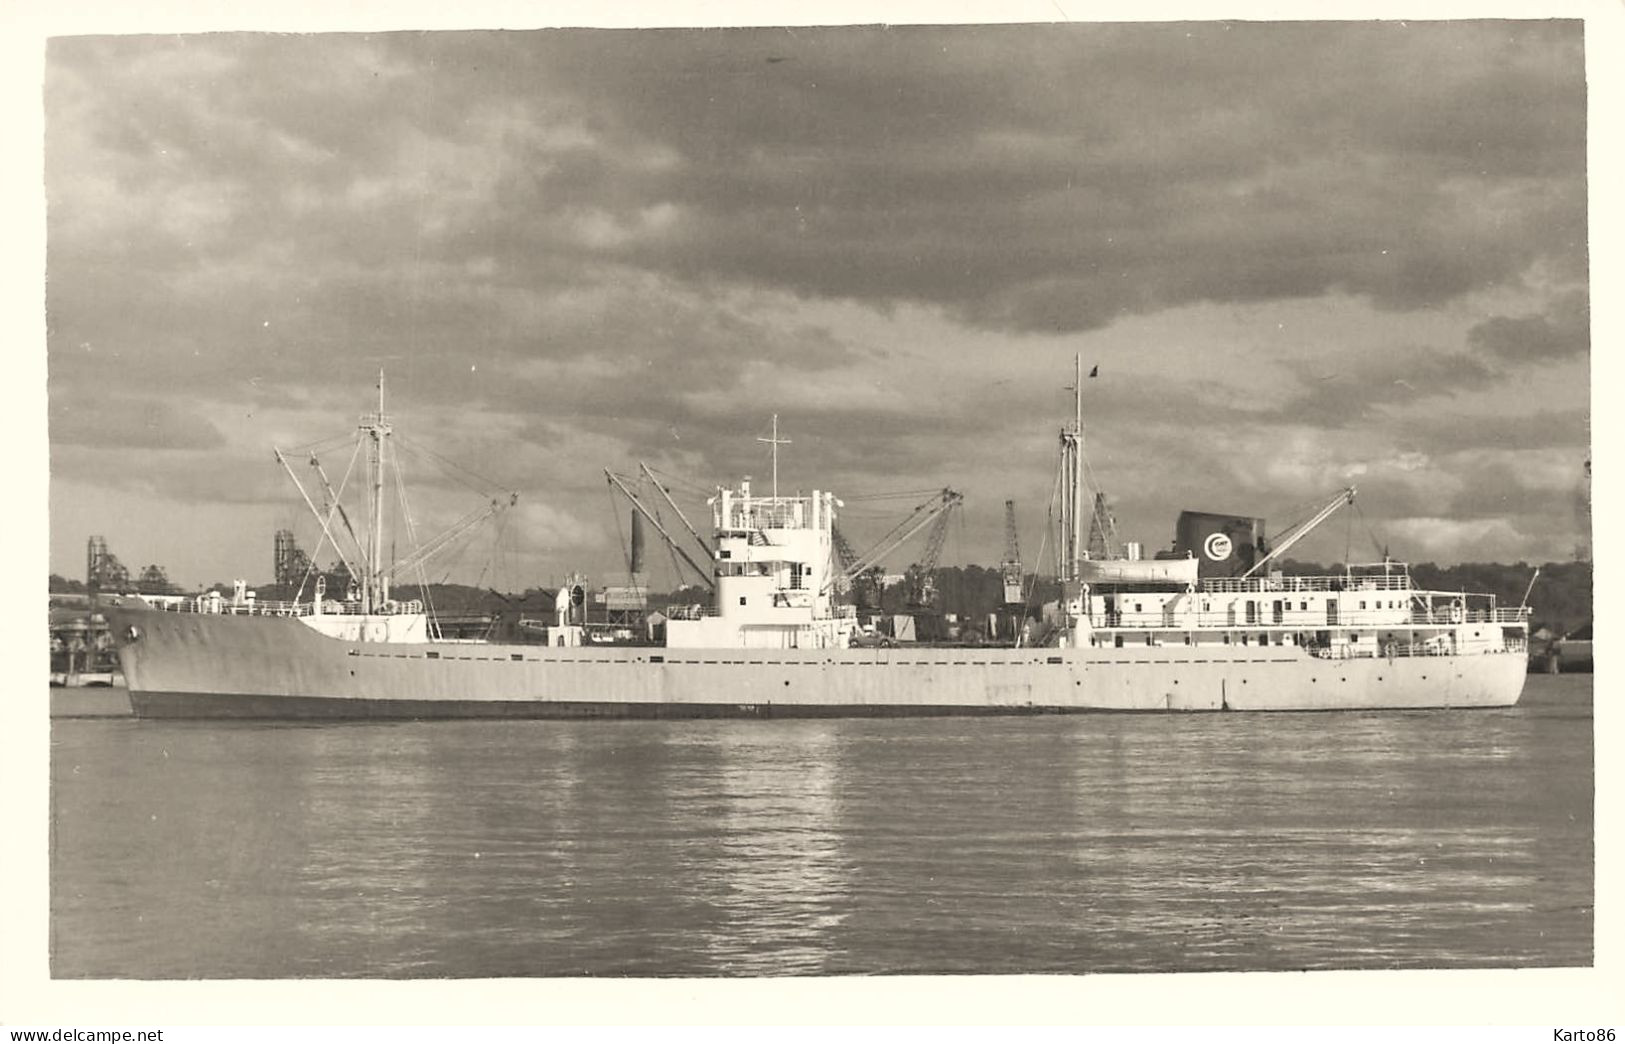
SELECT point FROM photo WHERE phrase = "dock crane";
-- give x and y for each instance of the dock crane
(923, 586)
(865, 584)
(1010, 569)
(927, 512)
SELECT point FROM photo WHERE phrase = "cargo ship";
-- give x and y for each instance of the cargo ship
(1209, 627)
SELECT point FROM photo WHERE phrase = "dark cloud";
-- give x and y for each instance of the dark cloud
(618, 235)
(1496, 490)
(987, 169)
(1029, 178)
(1346, 389)
(1442, 433)
(1562, 331)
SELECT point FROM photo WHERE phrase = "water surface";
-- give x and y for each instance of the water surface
(1068, 844)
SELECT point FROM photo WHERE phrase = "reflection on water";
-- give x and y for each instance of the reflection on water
(781, 877)
(1055, 844)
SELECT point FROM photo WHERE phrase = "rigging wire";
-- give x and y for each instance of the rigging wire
(496, 548)
(1380, 546)
(669, 480)
(1098, 512)
(391, 461)
(332, 442)
(1032, 588)
(626, 547)
(1055, 495)
(457, 472)
(671, 550)
(410, 525)
(337, 498)
(905, 494)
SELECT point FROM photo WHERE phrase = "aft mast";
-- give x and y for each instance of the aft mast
(1072, 485)
(375, 428)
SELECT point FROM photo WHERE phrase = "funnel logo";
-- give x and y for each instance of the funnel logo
(1217, 547)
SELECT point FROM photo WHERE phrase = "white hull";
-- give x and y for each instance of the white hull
(202, 665)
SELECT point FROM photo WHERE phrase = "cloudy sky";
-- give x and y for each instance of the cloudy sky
(1301, 255)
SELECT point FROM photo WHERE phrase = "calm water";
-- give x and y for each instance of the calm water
(1057, 844)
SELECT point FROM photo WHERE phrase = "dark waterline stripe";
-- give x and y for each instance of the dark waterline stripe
(312, 708)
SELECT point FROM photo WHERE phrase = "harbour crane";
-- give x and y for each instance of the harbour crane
(923, 515)
(923, 590)
(866, 585)
(1102, 530)
(1010, 569)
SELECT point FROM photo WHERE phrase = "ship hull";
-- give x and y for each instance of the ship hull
(190, 665)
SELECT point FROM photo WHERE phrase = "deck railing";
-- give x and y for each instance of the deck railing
(1400, 650)
(692, 611)
(273, 607)
(1314, 620)
(1340, 582)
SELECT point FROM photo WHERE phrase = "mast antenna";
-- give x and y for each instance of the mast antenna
(775, 442)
